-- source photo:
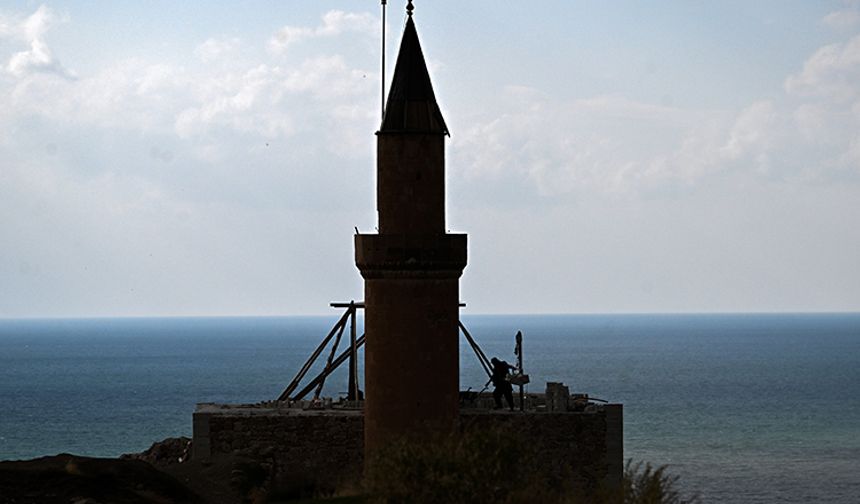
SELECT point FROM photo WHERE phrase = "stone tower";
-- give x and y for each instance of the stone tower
(411, 269)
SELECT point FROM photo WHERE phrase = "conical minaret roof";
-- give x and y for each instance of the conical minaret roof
(411, 105)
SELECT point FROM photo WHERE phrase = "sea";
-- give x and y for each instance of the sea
(743, 408)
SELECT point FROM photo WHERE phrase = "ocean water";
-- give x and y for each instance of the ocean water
(744, 408)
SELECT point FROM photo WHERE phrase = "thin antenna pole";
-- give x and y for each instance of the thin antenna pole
(384, 3)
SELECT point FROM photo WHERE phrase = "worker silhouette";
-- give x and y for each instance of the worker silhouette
(500, 382)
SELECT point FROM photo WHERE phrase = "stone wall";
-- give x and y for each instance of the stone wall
(320, 446)
(325, 447)
(575, 445)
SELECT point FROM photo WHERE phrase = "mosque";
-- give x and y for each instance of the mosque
(411, 270)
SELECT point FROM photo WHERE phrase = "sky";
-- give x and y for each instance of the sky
(197, 158)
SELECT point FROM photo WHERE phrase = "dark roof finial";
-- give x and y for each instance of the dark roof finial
(410, 8)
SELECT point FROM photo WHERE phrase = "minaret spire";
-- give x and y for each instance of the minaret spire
(409, 8)
(411, 105)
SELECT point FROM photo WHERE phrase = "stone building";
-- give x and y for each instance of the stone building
(411, 270)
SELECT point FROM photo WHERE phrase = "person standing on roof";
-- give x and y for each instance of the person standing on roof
(500, 382)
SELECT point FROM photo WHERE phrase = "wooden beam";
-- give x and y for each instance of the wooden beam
(482, 358)
(357, 304)
(330, 357)
(337, 362)
(301, 374)
(352, 390)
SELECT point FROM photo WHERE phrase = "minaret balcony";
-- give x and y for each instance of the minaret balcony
(420, 256)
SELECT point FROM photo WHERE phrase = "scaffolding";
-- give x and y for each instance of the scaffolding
(334, 360)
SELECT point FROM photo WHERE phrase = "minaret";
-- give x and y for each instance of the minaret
(411, 269)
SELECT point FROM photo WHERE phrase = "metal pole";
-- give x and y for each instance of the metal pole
(520, 365)
(384, 2)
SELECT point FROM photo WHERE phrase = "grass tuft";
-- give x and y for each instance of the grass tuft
(493, 467)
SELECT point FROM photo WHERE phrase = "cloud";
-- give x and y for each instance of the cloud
(751, 136)
(31, 30)
(130, 188)
(287, 36)
(807, 131)
(128, 95)
(844, 19)
(165, 122)
(334, 23)
(832, 73)
(606, 143)
(214, 48)
(246, 96)
(124, 244)
(245, 103)
(265, 99)
(149, 187)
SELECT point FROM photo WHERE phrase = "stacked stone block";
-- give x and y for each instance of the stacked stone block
(326, 447)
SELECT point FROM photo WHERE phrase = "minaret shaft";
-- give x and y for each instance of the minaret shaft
(410, 190)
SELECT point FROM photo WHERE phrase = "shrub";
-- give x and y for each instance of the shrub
(644, 484)
(495, 467)
(479, 467)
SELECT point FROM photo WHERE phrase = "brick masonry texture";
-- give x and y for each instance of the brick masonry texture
(326, 447)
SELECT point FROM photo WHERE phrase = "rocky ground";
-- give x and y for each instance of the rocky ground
(69, 479)
(163, 474)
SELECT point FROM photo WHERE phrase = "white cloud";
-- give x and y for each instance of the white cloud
(213, 49)
(334, 23)
(807, 131)
(136, 183)
(327, 78)
(31, 30)
(606, 143)
(235, 106)
(246, 96)
(751, 136)
(811, 121)
(844, 19)
(261, 99)
(122, 244)
(851, 159)
(287, 36)
(154, 117)
(129, 95)
(832, 73)
(226, 171)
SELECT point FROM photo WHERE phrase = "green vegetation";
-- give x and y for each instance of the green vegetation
(492, 467)
(479, 467)
(649, 485)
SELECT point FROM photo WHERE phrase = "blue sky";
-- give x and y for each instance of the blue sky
(191, 158)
